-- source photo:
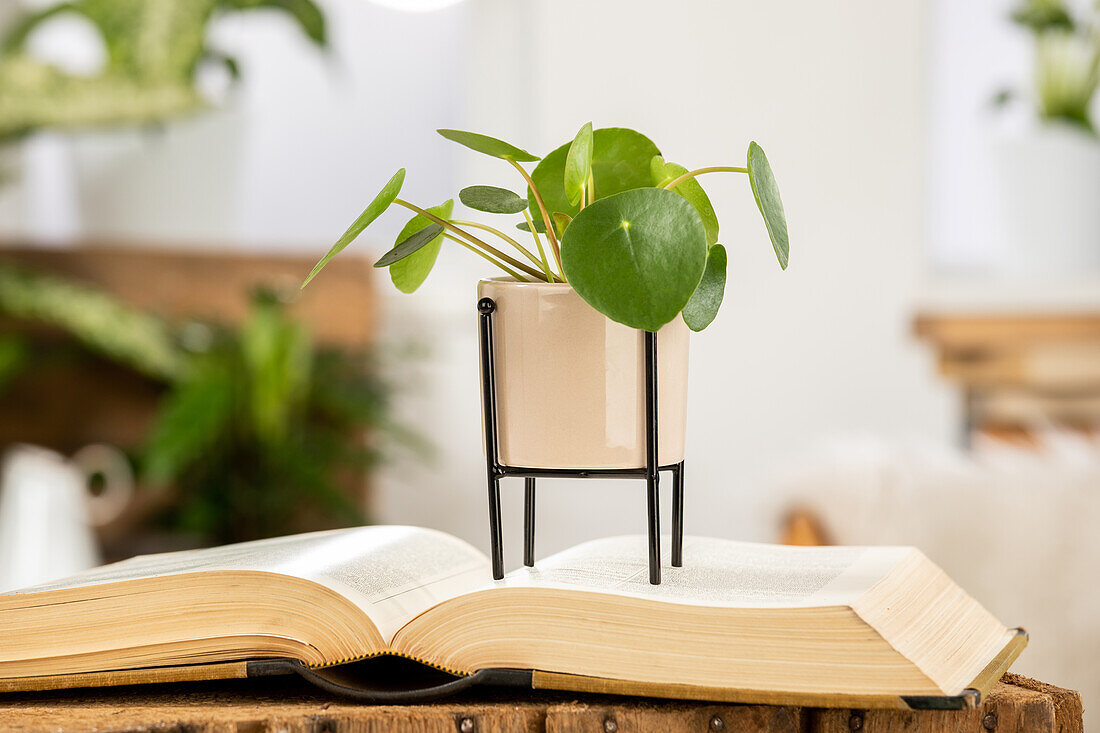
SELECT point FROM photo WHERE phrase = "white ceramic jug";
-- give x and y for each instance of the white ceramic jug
(47, 512)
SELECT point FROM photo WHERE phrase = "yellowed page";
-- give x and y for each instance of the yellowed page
(717, 572)
(392, 573)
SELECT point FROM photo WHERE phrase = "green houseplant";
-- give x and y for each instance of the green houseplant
(258, 430)
(621, 241)
(634, 235)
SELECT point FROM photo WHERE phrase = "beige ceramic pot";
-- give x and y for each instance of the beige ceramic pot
(570, 382)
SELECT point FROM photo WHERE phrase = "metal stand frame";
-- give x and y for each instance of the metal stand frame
(495, 470)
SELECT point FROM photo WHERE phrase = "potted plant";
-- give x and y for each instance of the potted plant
(621, 241)
(1048, 177)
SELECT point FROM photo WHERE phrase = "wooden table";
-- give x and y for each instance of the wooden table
(1016, 704)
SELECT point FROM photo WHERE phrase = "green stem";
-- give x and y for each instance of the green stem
(485, 227)
(700, 171)
(542, 253)
(478, 252)
(472, 239)
(550, 236)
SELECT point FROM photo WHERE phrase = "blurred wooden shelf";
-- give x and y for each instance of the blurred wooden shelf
(179, 283)
(1020, 369)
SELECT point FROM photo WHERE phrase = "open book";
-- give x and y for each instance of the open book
(742, 622)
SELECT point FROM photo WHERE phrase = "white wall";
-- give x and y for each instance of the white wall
(835, 94)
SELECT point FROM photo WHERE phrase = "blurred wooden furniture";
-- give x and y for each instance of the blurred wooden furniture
(65, 407)
(1016, 704)
(1020, 370)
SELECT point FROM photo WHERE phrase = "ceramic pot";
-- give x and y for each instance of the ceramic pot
(1048, 185)
(570, 382)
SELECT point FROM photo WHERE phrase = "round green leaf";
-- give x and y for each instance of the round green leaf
(578, 164)
(620, 162)
(409, 246)
(492, 200)
(707, 298)
(663, 172)
(487, 145)
(637, 256)
(374, 209)
(766, 192)
(410, 273)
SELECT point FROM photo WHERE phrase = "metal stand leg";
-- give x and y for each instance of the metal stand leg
(678, 515)
(529, 522)
(653, 474)
(485, 307)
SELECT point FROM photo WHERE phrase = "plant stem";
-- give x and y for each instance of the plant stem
(478, 252)
(542, 253)
(471, 238)
(485, 227)
(700, 171)
(550, 236)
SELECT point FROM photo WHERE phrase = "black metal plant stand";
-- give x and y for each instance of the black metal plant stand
(650, 472)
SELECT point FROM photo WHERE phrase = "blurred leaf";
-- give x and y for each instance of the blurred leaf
(664, 172)
(487, 145)
(1043, 15)
(13, 359)
(410, 273)
(190, 422)
(766, 192)
(578, 164)
(277, 355)
(701, 310)
(99, 321)
(492, 200)
(374, 209)
(411, 245)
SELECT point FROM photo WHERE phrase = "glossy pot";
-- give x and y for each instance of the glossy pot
(570, 382)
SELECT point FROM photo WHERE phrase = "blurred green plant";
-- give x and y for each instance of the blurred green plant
(154, 51)
(1067, 60)
(120, 333)
(262, 421)
(257, 428)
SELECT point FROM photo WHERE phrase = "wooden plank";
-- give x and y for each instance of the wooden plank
(1015, 705)
(287, 704)
(341, 309)
(616, 717)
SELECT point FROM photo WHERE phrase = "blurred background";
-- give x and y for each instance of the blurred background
(926, 372)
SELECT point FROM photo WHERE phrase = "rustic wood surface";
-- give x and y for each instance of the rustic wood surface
(1015, 704)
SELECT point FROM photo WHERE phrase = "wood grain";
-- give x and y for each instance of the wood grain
(286, 704)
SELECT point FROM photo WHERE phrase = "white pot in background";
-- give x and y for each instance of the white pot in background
(47, 511)
(570, 382)
(179, 183)
(1048, 183)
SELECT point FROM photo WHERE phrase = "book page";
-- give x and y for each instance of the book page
(717, 572)
(392, 573)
